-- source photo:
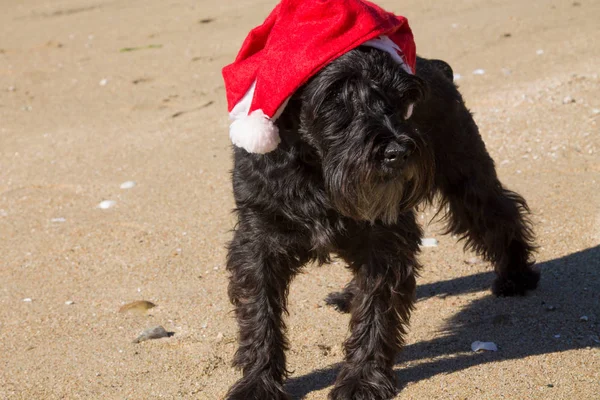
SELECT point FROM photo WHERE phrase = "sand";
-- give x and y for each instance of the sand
(96, 93)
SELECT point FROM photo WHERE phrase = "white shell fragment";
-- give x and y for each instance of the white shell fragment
(69, 303)
(539, 52)
(429, 242)
(58, 219)
(457, 76)
(487, 346)
(584, 318)
(103, 82)
(106, 204)
(128, 185)
(568, 100)
(27, 300)
(155, 332)
(479, 71)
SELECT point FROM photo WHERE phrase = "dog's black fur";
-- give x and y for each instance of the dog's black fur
(346, 180)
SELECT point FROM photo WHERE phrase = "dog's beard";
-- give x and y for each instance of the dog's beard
(381, 202)
(359, 191)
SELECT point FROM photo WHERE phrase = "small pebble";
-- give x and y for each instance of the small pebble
(106, 204)
(155, 332)
(568, 100)
(487, 346)
(220, 336)
(69, 303)
(584, 318)
(479, 72)
(556, 336)
(550, 308)
(429, 242)
(128, 185)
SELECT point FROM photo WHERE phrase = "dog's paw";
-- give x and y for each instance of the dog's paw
(340, 301)
(366, 381)
(258, 389)
(363, 390)
(516, 284)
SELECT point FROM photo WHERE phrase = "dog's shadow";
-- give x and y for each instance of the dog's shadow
(562, 314)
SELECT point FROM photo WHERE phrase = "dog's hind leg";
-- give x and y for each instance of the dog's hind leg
(260, 272)
(384, 266)
(492, 220)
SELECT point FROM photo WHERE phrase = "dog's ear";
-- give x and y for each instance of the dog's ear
(411, 87)
(444, 67)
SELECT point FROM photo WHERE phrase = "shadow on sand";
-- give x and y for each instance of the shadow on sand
(521, 327)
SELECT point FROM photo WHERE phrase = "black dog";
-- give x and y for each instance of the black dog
(352, 166)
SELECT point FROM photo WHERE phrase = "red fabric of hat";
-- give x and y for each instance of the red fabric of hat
(295, 42)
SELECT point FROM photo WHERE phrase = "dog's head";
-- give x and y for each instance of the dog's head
(355, 114)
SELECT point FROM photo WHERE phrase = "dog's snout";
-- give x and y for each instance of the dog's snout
(395, 154)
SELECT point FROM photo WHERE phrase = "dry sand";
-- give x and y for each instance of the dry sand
(94, 93)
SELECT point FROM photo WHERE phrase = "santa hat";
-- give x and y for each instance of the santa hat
(295, 42)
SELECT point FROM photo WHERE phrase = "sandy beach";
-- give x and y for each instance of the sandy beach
(96, 93)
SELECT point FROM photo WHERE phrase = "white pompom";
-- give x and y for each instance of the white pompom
(255, 133)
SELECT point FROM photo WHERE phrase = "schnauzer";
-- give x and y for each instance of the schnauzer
(363, 144)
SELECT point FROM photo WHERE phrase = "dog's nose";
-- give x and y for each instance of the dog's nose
(395, 154)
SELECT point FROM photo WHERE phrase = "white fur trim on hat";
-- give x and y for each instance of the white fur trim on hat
(386, 44)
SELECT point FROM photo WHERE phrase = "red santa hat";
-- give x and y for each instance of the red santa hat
(295, 42)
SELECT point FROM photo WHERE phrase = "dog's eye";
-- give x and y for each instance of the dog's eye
(409, 111)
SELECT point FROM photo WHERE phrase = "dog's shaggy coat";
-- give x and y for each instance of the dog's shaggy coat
(352, 166)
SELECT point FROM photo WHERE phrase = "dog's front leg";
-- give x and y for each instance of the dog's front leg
(260, 273)
(384, 291)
